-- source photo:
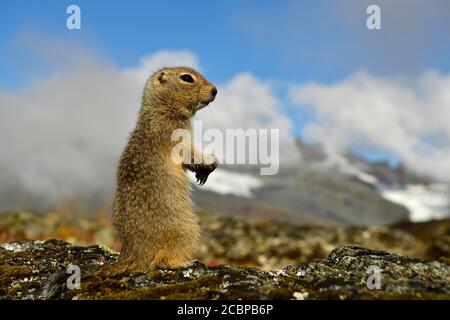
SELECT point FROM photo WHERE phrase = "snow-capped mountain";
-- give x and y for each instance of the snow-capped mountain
(352, 191)
(424, 202)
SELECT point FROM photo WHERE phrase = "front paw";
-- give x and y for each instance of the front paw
(202, 171)
(201, 178)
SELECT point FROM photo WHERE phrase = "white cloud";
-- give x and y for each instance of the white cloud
(162, 58)
(246, 102)
(62, 134)
(228, 182)
(407, 118)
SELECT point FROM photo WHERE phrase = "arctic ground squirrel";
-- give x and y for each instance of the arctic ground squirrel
(152, 208)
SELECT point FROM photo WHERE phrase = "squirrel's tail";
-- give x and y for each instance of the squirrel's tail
(122, 266)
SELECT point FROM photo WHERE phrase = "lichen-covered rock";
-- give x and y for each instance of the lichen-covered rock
(38, 270)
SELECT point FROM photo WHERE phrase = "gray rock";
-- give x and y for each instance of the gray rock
(37, 270)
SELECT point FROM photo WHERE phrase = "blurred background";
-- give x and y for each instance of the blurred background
(363, 119)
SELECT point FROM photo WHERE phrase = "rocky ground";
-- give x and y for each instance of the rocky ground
(38, 270)
(243, 259)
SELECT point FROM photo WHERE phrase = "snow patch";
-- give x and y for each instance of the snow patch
(228, 182)
(367, 178)
(423, 202)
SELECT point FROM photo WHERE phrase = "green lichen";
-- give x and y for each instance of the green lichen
(37, 271)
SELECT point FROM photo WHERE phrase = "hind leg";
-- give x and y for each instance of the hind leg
(171, 258)
(179, 242)
(177, 253)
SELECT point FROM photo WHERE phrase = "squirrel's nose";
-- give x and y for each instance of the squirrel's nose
(214, 91)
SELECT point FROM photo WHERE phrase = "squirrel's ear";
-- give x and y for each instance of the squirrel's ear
(162, 77)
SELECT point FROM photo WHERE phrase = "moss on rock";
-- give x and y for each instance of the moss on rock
(37, 270)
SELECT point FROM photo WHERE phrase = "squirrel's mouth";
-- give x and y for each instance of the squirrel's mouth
(199, 106)
(204, 103)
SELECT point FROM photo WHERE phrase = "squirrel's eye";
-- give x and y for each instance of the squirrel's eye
(187, 78)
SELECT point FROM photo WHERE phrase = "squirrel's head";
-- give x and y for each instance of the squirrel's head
(182, 90)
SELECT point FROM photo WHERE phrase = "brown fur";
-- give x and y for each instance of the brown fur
(153, 211)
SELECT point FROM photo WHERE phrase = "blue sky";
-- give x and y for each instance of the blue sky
(288, 40)
(279, 41)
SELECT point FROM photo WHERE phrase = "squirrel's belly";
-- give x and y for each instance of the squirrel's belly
(158, 189)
